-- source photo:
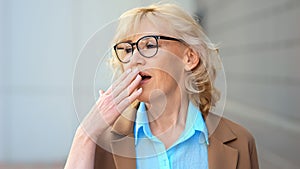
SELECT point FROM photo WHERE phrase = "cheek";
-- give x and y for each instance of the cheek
(165, 80)
(171, 72)
(168, 64)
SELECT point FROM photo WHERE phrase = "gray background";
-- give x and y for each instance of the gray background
(40, 41)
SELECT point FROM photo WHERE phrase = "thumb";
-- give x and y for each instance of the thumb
(101, 92)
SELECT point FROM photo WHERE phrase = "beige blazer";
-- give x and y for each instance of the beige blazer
(230, 145)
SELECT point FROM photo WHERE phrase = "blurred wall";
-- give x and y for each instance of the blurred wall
(37, 114)
(1, 78)
(260, 42)
(40, 41)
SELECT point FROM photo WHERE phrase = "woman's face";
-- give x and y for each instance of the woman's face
(162, 74)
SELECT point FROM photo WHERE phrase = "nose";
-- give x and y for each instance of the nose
(137, 59)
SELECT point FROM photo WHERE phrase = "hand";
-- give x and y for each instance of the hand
(112, 103)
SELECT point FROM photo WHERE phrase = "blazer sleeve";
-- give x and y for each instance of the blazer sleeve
(253, 156)
(103, 159)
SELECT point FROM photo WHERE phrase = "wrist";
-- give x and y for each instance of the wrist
(83, 135)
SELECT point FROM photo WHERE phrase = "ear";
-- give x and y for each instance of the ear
(191, 59)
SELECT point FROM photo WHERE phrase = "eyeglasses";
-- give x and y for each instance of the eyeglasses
(146, 45)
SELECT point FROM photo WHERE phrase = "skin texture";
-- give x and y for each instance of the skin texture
(103, 114)
(168, 69)
(165, 89)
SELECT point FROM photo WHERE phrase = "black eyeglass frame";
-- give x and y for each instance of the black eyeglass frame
(157, 37)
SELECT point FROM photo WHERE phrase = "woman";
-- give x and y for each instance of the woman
(157, 113)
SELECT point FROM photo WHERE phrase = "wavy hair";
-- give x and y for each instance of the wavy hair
(200, 80)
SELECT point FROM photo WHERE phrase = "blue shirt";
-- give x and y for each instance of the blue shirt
(189, 151)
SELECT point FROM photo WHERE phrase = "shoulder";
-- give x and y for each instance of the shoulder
(240, 131)
(229, 132)
(244, 140)
(227, 139)
(244, 143)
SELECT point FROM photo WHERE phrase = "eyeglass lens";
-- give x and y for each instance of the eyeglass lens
(147, 47)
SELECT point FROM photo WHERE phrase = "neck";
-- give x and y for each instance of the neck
(167, 113)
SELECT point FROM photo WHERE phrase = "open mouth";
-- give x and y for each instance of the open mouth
(145, 77)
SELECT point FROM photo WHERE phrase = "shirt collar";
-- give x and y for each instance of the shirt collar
(141, 123)
(194, 121)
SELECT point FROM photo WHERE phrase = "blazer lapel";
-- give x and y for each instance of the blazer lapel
(122, 143)
(124, 152)
(220, 155)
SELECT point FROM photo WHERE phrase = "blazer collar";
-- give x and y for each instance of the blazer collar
(122, 143)
(124, 124)
(219, 153)
(218, 128)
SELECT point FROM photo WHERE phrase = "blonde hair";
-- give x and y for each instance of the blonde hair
(200, 81)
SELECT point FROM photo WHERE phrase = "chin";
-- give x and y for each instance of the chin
(152, 95)
(143, 98)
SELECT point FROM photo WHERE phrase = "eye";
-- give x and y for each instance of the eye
(124, 48)
(151, 45)
(128, 50)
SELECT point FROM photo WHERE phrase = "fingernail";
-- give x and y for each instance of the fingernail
(101, 92)
(128, 71)
(135, 70)
(140, 90)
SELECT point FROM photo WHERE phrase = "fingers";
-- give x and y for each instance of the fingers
(101, 92)
(126, 102)
(119, 95)
(112, 103)
(126, 92)
(125, 83)
(129, 73)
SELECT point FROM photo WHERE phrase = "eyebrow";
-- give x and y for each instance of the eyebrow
(130, 41)
(127, 41)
